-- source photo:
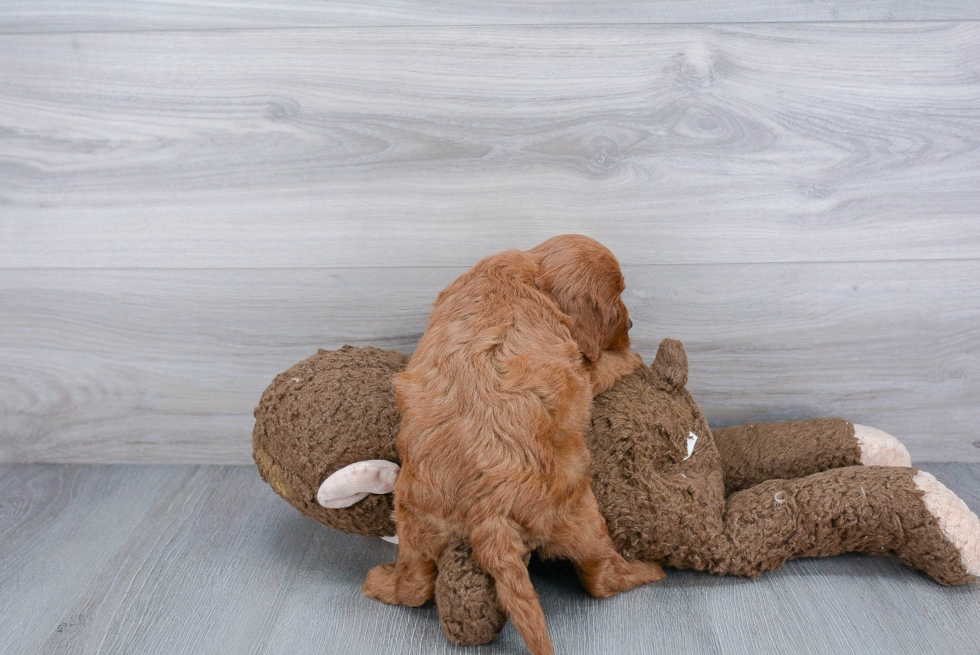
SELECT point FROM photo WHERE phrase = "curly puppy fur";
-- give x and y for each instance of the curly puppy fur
(494, 405)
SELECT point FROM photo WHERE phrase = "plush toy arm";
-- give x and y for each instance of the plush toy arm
(756, 452)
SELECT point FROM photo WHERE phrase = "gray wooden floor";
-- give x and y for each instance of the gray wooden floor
(172, 560)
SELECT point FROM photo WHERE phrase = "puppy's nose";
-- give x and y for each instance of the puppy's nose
(631, 324)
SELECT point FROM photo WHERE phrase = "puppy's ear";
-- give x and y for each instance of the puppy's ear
(588, 320)
(576, 271)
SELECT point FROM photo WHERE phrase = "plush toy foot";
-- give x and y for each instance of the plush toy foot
(878, 448)
(958, 524)
(387, 584)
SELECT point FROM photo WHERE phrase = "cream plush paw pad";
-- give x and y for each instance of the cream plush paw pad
(878, 448)
(355, 481)
(957, 522)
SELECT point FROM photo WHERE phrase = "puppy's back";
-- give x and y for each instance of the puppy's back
(495, 369)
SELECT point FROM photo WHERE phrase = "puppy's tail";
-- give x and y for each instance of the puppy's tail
(498, 548)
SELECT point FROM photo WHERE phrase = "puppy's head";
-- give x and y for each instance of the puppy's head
(584, 278)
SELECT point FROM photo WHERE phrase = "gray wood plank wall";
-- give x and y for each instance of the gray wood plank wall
(187, 209)
(30, 16)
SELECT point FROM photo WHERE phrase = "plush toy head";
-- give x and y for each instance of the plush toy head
(329, 412)
(335, 412)
(656, 472)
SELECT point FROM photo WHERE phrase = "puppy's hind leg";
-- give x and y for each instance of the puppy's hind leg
(410, 581)
(582, 536)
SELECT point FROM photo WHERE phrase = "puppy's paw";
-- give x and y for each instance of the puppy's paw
(620, 575)
(613, 365)
(381, 584)
(413, 586)
(640, 573)
(632, 362)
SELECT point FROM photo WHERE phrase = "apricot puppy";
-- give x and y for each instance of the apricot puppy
(494, 405)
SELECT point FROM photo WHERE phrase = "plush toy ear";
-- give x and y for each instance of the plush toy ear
(670, 364)
(355, 481)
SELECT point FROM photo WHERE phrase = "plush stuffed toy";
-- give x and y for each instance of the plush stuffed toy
(740, 500)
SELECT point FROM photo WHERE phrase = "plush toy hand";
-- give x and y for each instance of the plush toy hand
(355, 481)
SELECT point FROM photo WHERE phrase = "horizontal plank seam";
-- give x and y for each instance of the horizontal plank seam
(451, 266)
(485, 25)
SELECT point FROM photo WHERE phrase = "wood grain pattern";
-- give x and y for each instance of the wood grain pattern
(166, 366)
(59, 526)
(220, 564)
(202, 573)
(99, 15)
(430, 147)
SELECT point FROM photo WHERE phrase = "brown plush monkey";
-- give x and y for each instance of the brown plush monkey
(739, 500)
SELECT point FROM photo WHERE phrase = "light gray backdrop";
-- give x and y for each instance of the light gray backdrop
(192, 199)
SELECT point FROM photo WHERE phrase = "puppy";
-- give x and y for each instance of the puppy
(494, 404)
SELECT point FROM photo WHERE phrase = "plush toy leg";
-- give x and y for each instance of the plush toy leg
(757, 452)
(469, 609)
(871, 509)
